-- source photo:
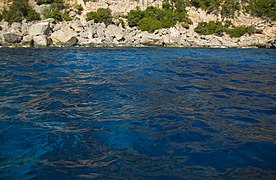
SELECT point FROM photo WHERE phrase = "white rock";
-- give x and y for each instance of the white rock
(39, 29)
(27, 39)
(11, 38)
(100, 33)
(77, 26)
(114, 31)
(65, 37)
(227, 42)
(150, 36)
(174, 35)
(15, 28)
(41, 40)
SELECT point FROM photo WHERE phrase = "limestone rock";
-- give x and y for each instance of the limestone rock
(27, 40)
(11, 38)
(77, 26)
(64, 37)
(15, 28)
(150, 39)
(150, 36)
(39, 29)
(96, 41)
(227, 42)
(214, 42)
(249, 42)
(114, 31)
(58, 26)
(4, 25)
(174, 35)
(100, 33)
(41, 41)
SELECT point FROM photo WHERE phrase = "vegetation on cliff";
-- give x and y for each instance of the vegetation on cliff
(102, 15)
(229, 8)
(212, 27)
(154, 18)
(262, 8)
(56, 10)
(18, 11)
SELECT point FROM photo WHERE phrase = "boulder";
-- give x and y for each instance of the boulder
(108, 38)
(15, 28)
(4, 25)
(174, 35)
(41, 41)
(27, 40)
(94, 41)
(150, 39)
(65, 37)
(214, 42)
(11, 38)
(227, 42)
(272, 43)
(150, 36)
(42, 28)
(58, 26)
(100, 33)
(249, 42)
(24, 28)
(115, 31)
(77, 26)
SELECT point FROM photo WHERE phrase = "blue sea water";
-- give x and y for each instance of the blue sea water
(137, 113)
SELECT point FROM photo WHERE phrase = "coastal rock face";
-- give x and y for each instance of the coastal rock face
(149, 39)
(27, 40)
(65, 36)
(118, 7)
(41, 41)
(88, 33)
(39, 29)
(174, 35)
(115, 32)
(11, 38)
(76, 26)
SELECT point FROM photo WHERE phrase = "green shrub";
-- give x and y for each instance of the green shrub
(102, 15)
(155, 18)
(211, 27)
(65, 16)
(229, 8)
(169, 19)
(239, 31)
(52, 13)
(207, 5)
(121, 21)
(134, 16)
(149, 24)
(40, 2)
(79, 8)
(166, 4)
(57, 11)
(32, 15)
(262, 8)
(1, 17)
(18, 11)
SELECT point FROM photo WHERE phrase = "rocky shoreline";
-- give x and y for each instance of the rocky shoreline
(87, 33)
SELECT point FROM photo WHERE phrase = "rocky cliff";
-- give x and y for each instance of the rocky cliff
(88, 33)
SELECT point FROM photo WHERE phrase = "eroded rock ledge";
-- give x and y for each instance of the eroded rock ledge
(87, 33)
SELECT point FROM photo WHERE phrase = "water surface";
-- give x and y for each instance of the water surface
(137, 113)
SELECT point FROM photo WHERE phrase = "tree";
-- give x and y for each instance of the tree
(18, 11)
(101, 15)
